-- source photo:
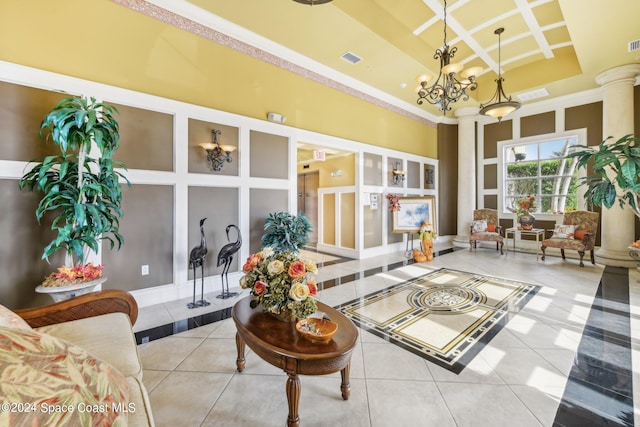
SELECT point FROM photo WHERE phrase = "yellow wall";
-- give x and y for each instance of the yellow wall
(347, 164)
(102, 41)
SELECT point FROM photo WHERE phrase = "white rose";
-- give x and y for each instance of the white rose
(267, 252)
(275, 267)
(310, 266)
(299, 291)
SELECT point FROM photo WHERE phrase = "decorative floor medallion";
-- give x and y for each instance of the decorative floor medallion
(445, 316)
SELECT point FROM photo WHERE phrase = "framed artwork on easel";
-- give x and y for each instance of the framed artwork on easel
(412, 213)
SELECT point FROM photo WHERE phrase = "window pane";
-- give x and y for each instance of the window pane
(522, 169)
(518, 153)
(559, 185)
(558, 204)
(558, 167)
(541, 169)
(556, 149)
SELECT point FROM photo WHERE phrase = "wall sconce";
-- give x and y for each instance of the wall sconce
(217, 154)
(398, 175)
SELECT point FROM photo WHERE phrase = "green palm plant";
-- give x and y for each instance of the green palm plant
(616, 166)
(285, 232)
(81, 191)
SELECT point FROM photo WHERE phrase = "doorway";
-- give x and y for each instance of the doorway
(308, 184)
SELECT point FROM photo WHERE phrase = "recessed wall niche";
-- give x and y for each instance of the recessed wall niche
(413, 174)
(372, 171)
(200, 132)
(269, 156)
(146, 138)
(147, 228)
(263, 202)
(220, 206)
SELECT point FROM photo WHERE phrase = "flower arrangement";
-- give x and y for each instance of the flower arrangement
(394, 202)
(281, 282)
(73, 275)
(526, 204)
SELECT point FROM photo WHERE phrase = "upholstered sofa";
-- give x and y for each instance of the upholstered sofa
(73, 363)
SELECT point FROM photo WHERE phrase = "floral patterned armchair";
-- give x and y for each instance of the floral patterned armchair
(577, 232)
(485, 227)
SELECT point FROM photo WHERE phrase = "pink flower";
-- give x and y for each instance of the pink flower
(313, 287)
(297, 270)
(252, 261)
(259, 287)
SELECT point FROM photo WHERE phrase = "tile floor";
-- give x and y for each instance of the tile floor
(518, 379)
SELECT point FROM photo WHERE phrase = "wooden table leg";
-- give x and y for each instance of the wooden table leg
(345, 387)
(293, 398)
(240, 345)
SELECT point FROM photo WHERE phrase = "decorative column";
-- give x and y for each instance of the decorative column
(466, 172)
(618, 225)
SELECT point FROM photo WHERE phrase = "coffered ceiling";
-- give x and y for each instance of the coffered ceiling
(549, 47)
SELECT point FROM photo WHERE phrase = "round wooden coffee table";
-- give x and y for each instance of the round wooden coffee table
(279, 344)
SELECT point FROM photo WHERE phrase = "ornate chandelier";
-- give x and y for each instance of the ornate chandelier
(500, 104)
(447, 88)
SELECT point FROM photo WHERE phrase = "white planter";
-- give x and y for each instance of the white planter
(61, 293)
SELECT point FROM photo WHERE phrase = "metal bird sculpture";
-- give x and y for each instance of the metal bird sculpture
(196, 259)
(225, 256)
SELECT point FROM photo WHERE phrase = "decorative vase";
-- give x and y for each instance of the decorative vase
(527, 220)
(284, 315)
(62, 293)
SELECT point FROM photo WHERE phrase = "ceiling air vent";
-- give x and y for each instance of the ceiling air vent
(634, 45)
(534, 94)
(351, 57)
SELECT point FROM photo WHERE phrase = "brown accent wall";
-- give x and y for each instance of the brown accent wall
(587, 116)
(490, 176)
(22, 109)
(491, 201)
(23, 240)
(538, 124)
(220, 206)
(147, 228)
(269, 156)
(146, 138)
(263, 202)
(494, 132)
(200, 132)
(447, 179)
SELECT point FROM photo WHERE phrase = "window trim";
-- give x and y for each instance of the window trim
(579, 134)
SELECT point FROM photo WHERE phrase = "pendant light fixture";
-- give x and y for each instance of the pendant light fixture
(500, 104)
(312, 2)
(447, 88)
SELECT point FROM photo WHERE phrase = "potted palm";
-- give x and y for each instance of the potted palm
(80, 189)
(616, 166)
(285, 232)
(617, 175)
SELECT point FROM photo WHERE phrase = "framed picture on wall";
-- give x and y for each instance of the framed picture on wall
(412, 213)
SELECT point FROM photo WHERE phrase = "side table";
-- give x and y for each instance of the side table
(280, 344)
(514, 231)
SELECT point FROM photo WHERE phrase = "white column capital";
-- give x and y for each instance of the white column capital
(623, 72)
